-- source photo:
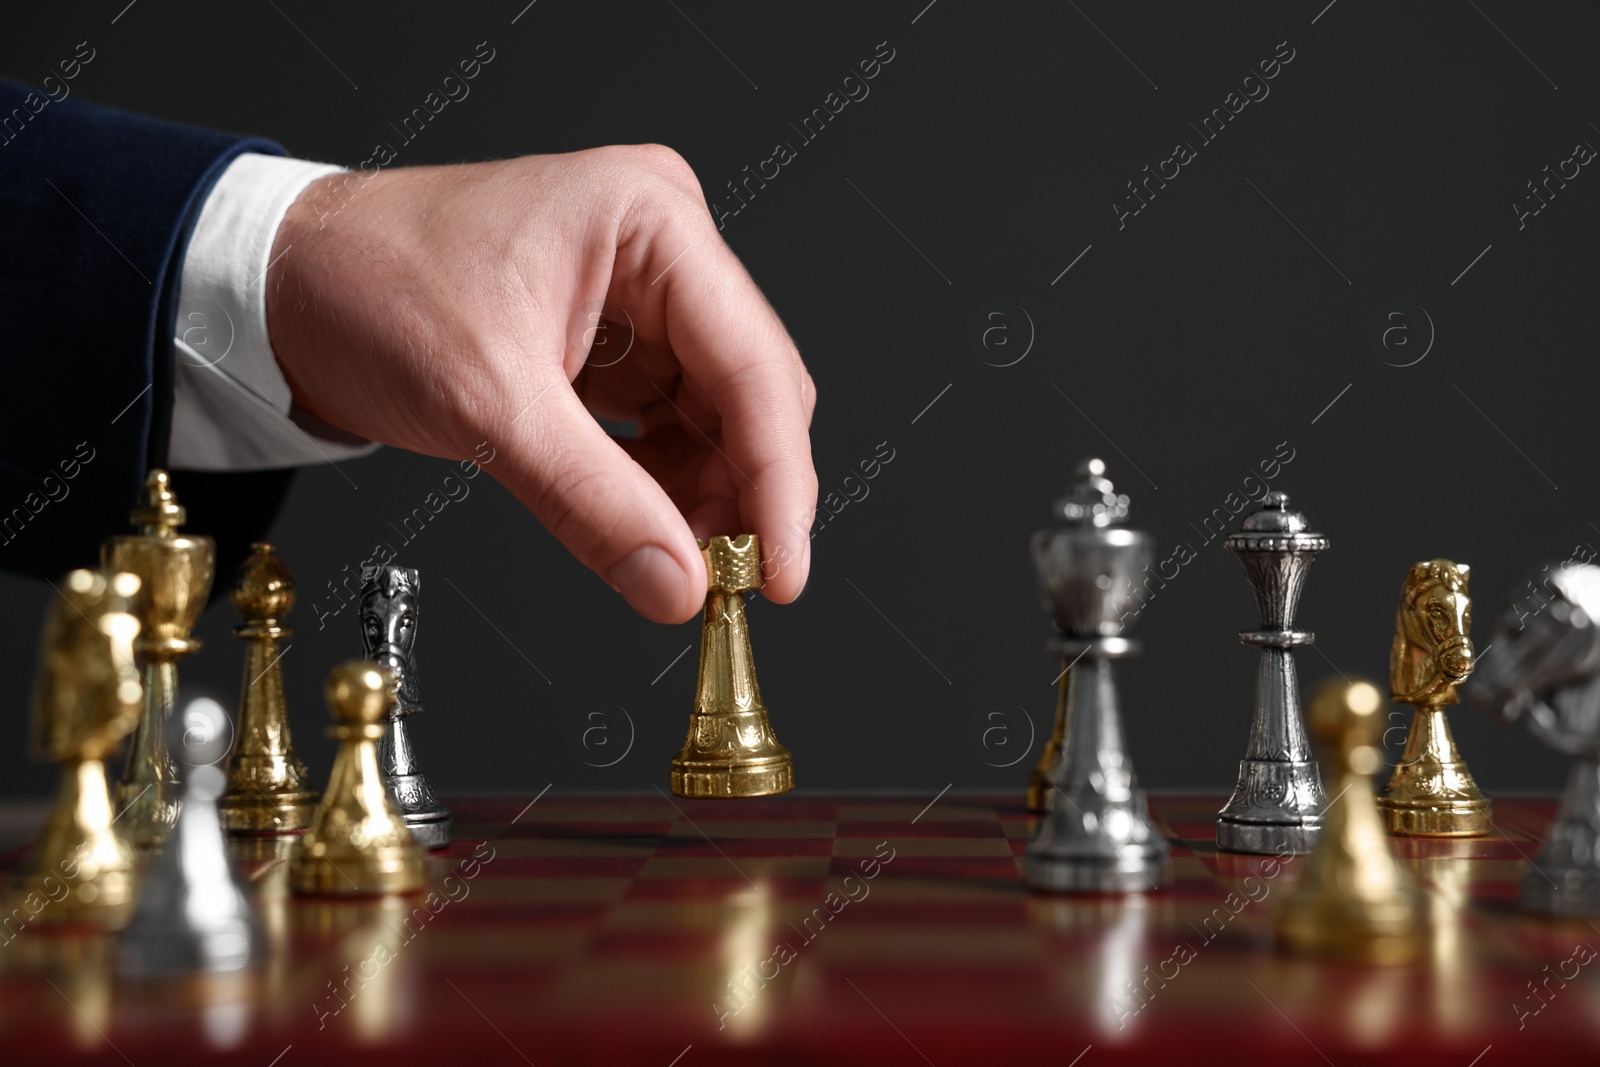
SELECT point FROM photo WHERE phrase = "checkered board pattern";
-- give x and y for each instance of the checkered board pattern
(883, 930)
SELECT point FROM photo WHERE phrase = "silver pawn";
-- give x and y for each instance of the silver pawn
(192, 911)
(389, 637)
(1096, 836)
(1546, 667)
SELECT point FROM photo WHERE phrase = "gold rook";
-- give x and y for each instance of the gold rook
(730, 751)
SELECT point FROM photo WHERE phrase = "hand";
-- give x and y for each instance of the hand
(434, 308)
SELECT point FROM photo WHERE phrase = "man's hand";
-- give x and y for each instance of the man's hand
(434, 308)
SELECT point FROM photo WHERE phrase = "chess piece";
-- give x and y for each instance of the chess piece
(87, 696)
(1277, 800)
(1546, 667)
(1091, 506)
(1430, 793)
(389, 637)
(730, 750)
(268, 785)
(193, 913)
(1355, 901)
(358, 843)
(174, 572)
(1096, 836)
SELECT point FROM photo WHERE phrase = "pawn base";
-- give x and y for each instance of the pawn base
(756, 778)
(1380, 949)
(275, 813)
(390, 870)
(1276, 807)
(163, 940)
(1324, 918)
(105, 900)
(1091, 844)
(1457, 818)
(1269, 838)
(431, 829)
(427, 817)
(1137, 870)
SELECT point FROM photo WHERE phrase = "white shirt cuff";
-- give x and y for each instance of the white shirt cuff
(231, 404)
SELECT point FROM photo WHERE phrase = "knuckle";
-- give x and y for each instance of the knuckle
(667, 178)
(665, 162)
(772, 387)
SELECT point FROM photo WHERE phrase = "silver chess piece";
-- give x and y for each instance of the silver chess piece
(192, 912)
(389, 638)
(1278, 801)
(1545, 669)
(1096, 836)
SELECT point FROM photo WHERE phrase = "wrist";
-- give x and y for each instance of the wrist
(229, 393)
(294, 268)
(347, 308)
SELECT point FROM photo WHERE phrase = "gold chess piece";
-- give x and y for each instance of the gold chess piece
(86, 698)
(269, 786)
(357, 843)
(174, 573)
(1355, 901)
(1039, 786)
(730, 751)
(1431, 793)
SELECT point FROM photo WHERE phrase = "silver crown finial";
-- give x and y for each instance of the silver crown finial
(1093, 501)
(1275, 516)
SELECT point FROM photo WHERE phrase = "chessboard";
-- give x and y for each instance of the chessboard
(824, 929)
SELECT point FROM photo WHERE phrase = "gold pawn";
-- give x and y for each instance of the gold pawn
(730, 750)
(1431, 793)
(86, 698)
(357, 843)
(174, 572)
(1356, 901)
(268, 784)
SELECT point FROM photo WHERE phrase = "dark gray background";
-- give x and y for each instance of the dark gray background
(985, 160)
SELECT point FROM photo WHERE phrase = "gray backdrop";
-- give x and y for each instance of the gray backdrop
(963, 215)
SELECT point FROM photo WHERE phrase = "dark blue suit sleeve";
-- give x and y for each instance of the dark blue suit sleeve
(96, 207)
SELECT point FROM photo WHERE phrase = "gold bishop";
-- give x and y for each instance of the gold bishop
(269, 788)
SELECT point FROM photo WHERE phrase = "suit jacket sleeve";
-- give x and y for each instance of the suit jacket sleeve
(97, 205)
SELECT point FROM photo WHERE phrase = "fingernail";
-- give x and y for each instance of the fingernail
(652, 582)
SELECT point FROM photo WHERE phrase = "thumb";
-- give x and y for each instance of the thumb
(605, 508)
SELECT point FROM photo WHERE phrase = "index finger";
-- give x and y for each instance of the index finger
(731, 344)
